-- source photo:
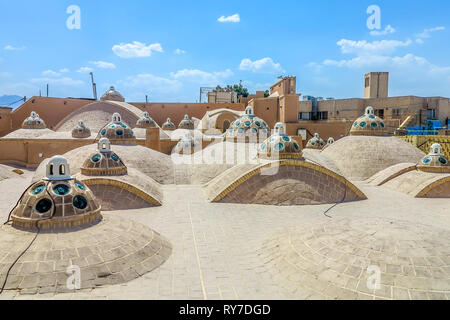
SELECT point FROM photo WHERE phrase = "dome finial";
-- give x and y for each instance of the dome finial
(58, 169)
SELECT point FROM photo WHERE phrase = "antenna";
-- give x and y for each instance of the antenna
(146, 99)
(47, 90)
(94, 86)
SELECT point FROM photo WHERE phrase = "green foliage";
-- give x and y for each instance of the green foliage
(266, 93)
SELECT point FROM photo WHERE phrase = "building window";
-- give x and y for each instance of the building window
(396, 112)
(304, 116)
(323, 115)
(431, 114)
(367, 82)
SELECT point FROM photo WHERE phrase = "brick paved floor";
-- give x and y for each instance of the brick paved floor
(219, 249)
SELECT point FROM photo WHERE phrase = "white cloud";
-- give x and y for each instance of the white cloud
(66, 81)
(179, 51)
(387, 30)
(50, 73)
(378, 61)
(103, 64)
(364, 47)
(64, 70)
(136, 49)
(235, 18)
(202, 77)
(427, 32)
(12, 48)
(265, 65)
(85, 70)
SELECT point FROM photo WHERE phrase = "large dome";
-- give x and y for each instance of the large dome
(435, 161)
(280, 145)
(33, 122)
(246, 126)
(360, 157)
(118, 131)
(112, 95)
(368, 125)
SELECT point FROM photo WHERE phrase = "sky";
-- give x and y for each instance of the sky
(169, 49)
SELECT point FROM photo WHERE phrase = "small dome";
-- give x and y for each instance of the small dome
(246, 126)
(315, 142)
(330, 141)
(146, 122)
(112, 95)
(81, 131)
(33, 122)
(186, 123)
(57, 201)
(368, 125)
(435, 161)
(187, 145)
(280, 145)
(168, 125)
(104, 162)
(117, 130)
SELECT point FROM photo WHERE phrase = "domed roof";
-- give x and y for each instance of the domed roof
(104, 162)
(81, 131)
(315, 142)
(112, 95)
(360, 157)
(186, 123)
(168, 125)
(146, 122)
(280, 145)
(368, 125)
(56, 201)
(246, 126)
(435, 161)
(117, 130)
(33, 122)
(187, 145)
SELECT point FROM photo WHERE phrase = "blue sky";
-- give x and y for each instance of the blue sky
(168, 49)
